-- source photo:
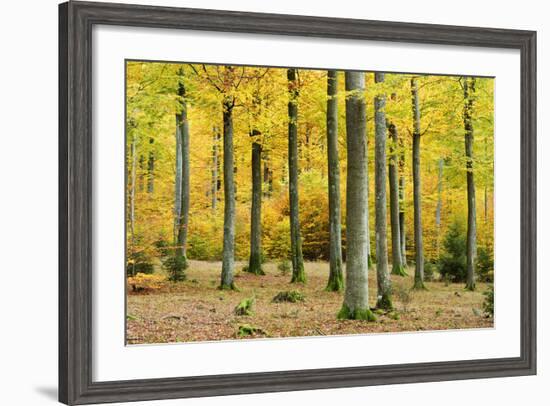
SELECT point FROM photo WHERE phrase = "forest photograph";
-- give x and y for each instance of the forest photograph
(271, 202)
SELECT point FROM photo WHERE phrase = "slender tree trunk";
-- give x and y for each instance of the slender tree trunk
(397, 261)
(439, 205)
(151, 169)
(382, 272)
(366, 214)
(356, 297)
(141, 177)
(336, 277)
(255, 262)
(132, 211)
(215, 168)
(402, 225)
(298, 274)
(417, 192)
(178, 182)
(183, 124)
(268, 177)
(469, 89)
(228, 260)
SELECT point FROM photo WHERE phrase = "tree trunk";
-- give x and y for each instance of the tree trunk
(215, 168)
(183, 125)
(439, 205)
(298, 274)
(132, 211)
(228, 260)
(177, 185)
(417, 193)
(255, 262)
(356, 297)
(402, 225)
(336, 277)
(397, 261)
(469, 89)
(382, 272)
(268, 177)
(151, 169)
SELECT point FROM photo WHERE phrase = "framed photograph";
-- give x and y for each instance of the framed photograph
(259, 202)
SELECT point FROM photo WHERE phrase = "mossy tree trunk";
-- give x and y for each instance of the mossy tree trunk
(397, 262)
(439, 205)
(356, 297)
(132, 200)
(255, 261)
(402, 225)
(336, 277)
(298, 274)
(151, 169)
(215, 168)
(183, 132)
(380, 131)
(469, 89)
(417, 190)
(228, 254)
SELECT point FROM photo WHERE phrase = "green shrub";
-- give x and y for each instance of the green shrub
(485, 264)
(175, 266)
(244, 308)
(489, 302)
(162, 246)
(430, 269)
(452, 264)
(139, 262)
(246, 330)
(284, 267)
(289, 296)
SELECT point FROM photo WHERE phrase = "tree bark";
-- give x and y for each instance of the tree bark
(439, 204)
(215, 168)
(298, 274)
(183, 125)
(356, 297)
(132, 211)
(151, 169)
(417, 192)
(469, 89)
(336, 277)
(397, 261)
(228, 257)
(255, 262)
(382, 272)
(402, 225)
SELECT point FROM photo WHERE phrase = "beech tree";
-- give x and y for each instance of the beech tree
(382, 273)
(336, 277)
(469, 89)
(255, 262)
(397, 262)
(417, 191)
(298, 274)
(182, 172)
(356, 296)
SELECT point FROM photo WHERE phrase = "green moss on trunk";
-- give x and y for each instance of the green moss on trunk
(335, 281)
(419, 285)
(471, 286)
(299, 276)
(356, 314)
(231, 286)
(398, 270)
(255, 265)
(384, 302)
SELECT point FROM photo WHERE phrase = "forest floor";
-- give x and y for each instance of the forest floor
(196, 310)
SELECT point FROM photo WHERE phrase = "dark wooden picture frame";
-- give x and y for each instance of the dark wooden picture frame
(76, 20)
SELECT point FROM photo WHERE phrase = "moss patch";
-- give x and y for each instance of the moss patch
(346, 313)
